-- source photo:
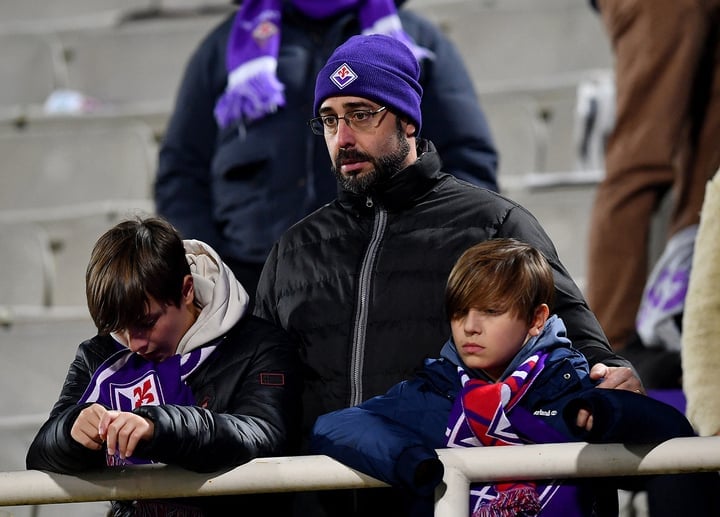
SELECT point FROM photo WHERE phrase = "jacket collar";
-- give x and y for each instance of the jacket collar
(405, 188)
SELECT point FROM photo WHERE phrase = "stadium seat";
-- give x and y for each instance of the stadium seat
(135, 66)
(28, 66)
(27, 269)
(70, 161)
(21, 15)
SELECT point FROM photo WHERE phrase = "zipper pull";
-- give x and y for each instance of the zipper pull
(369, 202)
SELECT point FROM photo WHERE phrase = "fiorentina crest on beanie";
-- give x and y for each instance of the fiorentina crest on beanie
(375, 67)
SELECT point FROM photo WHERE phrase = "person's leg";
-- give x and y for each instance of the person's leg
(703, 160)
(656, 45)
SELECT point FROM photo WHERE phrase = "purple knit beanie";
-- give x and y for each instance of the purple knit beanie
(376, 67)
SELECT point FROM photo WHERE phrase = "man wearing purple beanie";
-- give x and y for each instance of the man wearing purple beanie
(237, 166)
(360, 282)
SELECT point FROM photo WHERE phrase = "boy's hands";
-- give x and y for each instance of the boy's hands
(584, 419)
(85, 429)
(122, 430)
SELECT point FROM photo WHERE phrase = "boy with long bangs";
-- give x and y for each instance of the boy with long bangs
(507, 376)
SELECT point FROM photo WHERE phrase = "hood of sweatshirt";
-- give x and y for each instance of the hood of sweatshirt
(222, 299)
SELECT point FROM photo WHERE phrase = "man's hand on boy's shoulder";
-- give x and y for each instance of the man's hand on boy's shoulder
(616, 377)
(611, 377)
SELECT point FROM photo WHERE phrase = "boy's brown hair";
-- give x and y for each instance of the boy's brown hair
(503, 275)
(132, 261)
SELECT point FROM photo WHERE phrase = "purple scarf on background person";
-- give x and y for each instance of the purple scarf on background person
(487, 414)
(126, 381)
(253, 89)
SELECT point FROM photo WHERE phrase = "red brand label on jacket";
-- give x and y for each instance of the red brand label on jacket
(272, 379)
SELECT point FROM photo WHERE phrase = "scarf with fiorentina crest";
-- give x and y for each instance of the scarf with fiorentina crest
(126, 381)
(487, 414)
(253, 89)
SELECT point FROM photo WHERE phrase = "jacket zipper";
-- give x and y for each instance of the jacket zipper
(361, 315)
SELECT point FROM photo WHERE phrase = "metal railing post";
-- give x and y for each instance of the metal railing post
(452, 497)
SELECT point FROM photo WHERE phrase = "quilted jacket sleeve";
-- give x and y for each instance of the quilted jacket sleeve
(265, 301)
(625, 417)
(52, 448)
(382, 440)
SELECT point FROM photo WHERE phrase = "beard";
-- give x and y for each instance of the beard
(383, 169)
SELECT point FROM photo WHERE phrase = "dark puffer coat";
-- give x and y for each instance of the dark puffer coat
(238, 417)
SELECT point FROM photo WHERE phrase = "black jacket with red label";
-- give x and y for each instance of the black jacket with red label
(360, 283)
(239, 416)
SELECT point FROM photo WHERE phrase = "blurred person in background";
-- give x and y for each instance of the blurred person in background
(666, 134)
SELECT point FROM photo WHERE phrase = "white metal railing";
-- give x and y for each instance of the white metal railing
(301, 473)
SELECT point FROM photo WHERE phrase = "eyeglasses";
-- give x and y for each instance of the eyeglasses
(359, 120)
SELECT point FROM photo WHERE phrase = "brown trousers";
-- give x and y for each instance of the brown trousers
(666, 138)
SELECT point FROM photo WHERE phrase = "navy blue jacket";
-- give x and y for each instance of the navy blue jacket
(390, 436)
(240, 192)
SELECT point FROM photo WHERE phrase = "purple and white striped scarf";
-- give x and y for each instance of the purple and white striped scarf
(253, 89)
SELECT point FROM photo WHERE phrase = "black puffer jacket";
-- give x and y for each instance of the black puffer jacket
(361, 281)
(237, 418)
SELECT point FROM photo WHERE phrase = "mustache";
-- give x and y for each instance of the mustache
(345, 155)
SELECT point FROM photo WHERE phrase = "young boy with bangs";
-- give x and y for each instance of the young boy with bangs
(507, 376)
(179, 372)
